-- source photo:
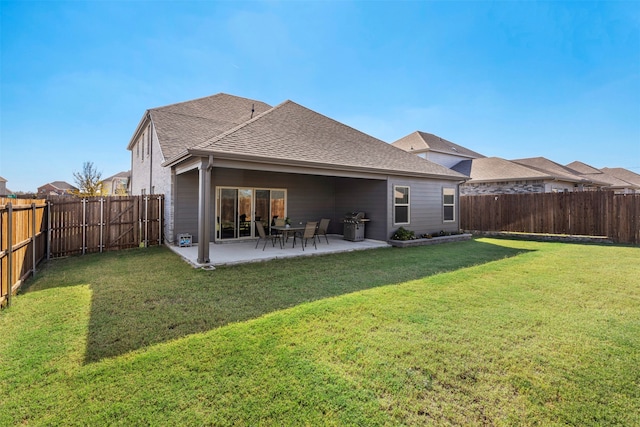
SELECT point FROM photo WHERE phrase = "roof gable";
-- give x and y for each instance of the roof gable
(291, 133)
(423, 141)
(59, 185)
(123, 174)
(186, 124)
(583, 168)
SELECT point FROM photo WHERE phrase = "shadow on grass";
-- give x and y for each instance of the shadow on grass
(145, 297)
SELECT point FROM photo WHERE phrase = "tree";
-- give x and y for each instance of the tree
(88, 181)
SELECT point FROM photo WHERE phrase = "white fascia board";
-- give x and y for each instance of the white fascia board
(188, 165)
(136, 135)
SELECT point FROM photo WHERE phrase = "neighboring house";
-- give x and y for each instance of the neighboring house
(493, 175)
(225, 161)
(624, 174)
(566, 178)
(56, 188)
(614, 183)
(116, 185)
(3, 187)
(433, 148)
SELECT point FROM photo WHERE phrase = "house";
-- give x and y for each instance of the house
(566, 178)
(116, 185)
(494, 175)
(619, 186)
(56, 188)
(3, 187)
(625, 175)
(224, 161)
(433, 148)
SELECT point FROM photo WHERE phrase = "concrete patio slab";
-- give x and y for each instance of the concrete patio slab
(245, 251)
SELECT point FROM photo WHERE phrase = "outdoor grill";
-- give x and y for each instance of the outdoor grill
(354, 226)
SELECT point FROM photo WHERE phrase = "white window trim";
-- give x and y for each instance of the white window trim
(408, 205)
(453, 205)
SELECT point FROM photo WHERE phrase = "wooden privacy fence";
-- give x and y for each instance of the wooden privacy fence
(22, 242)
(592, 213)
(97, 224)
(62, 226)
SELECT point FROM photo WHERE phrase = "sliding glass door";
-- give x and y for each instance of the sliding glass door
(234, 208)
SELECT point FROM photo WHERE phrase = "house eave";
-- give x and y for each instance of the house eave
(329, 169)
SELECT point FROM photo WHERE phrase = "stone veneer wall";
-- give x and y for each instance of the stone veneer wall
(504, 188)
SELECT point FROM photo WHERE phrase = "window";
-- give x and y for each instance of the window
(400, 205)
(449, 204)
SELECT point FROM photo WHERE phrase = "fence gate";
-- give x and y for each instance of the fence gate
(97, 224)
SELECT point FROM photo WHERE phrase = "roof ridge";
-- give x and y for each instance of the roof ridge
(216, 138)
(205, 97)
(187, 102)
(180, 114)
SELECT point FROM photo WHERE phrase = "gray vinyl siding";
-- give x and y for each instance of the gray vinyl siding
(186, 206)
(309, 198)
(363, 195)
(312, 197)
(426, 208)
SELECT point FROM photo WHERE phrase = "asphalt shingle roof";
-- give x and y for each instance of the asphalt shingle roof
(551, 168)
(186, 124)
(597, 175)
(423, 141)
(583, 168)
(293, 134)
(624, 174)
(495, 169)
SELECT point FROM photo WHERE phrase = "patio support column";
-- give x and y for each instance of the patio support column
(204, 208)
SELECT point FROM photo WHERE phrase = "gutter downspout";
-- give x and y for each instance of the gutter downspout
(149, 137)
(204, 209)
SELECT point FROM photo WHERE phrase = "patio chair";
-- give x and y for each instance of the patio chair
(322, 229)
(309, 233)
(263, 236)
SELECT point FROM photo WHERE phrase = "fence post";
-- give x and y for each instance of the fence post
(84, 224)
(146, 221)
(160, 200)
(9, 254)
(101, 221)
(33, 237)
(48, 248)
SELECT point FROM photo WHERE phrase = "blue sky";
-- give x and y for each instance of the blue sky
(508, 79)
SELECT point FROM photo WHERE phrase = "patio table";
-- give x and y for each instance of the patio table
(288, 230)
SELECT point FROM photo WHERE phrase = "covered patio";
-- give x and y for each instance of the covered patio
(245, 251)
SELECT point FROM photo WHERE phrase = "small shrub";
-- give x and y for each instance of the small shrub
(403, 234)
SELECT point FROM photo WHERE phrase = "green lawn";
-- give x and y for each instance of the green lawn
(484, 332)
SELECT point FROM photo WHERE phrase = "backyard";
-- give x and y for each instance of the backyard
(482, 332)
